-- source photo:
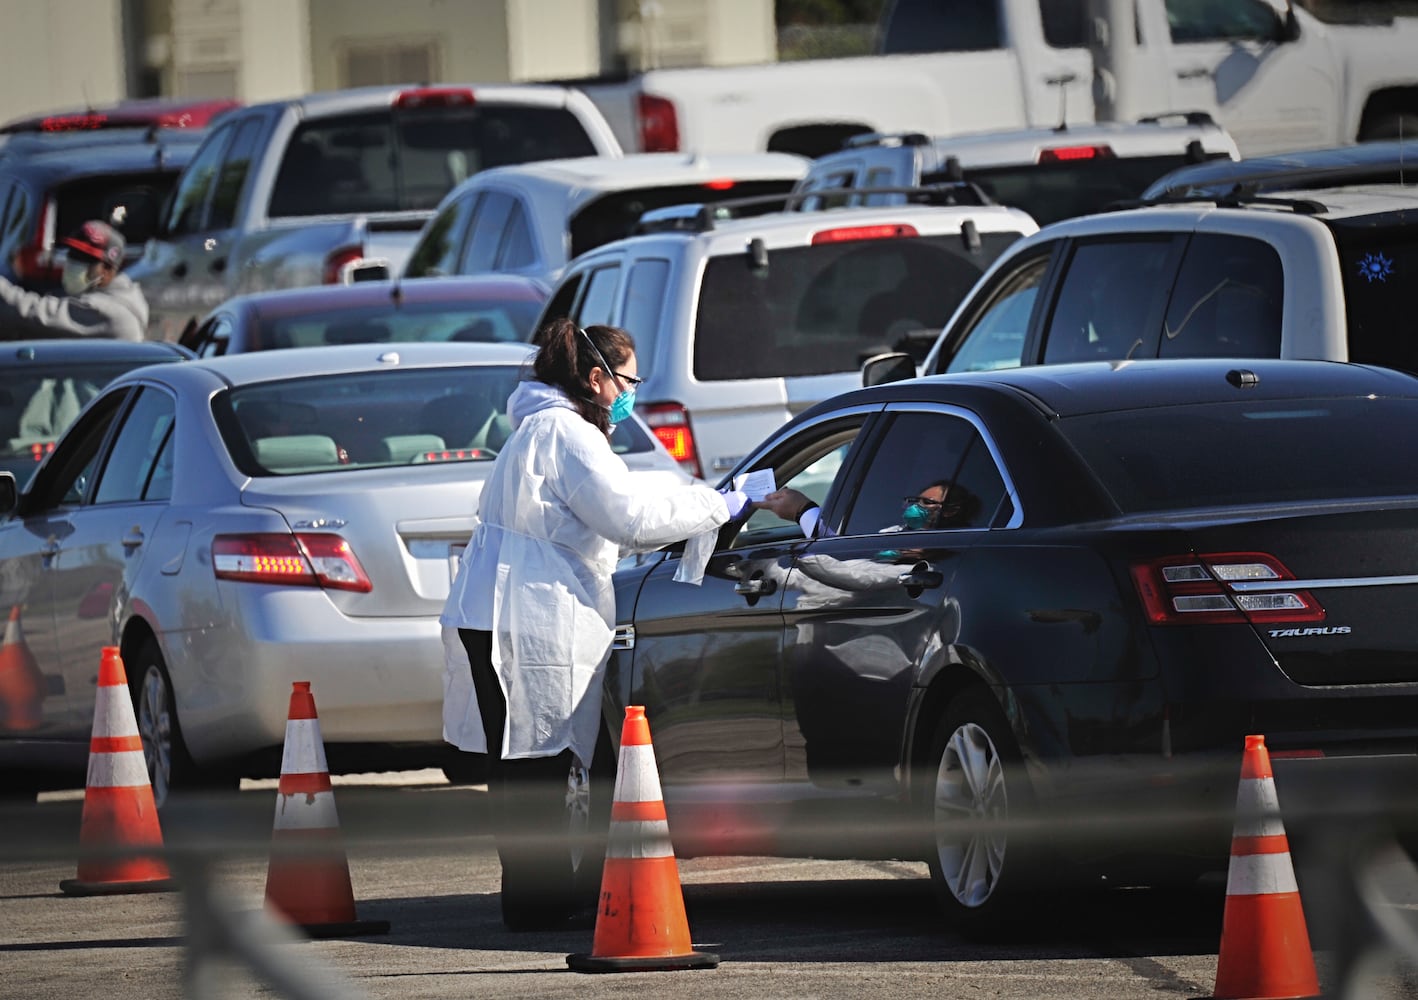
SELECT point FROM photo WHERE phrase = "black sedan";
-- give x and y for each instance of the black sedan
(1053, 592)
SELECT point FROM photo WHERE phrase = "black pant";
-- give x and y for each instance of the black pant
(526, 797)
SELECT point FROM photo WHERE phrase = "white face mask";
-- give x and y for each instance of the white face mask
(76, 279)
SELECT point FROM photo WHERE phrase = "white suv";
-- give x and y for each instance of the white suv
(1324, 273)
(740, 323)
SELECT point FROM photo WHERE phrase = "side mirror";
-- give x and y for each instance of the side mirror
(9, 493)
(370, 269)
(886, 368)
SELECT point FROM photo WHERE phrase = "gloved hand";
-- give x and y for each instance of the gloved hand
(737, 501)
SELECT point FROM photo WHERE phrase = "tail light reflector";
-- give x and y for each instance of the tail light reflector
(307, 559)
(886, 232)
(1207, 589)
(670, 423)
(659, 126)
(337, 263)
(724, 184)
(80, 122)
(435, 97)
(1066, 154)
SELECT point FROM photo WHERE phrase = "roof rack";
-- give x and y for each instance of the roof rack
(1237, 197)
(1295, 178)
(1186, 117)
(696, 217)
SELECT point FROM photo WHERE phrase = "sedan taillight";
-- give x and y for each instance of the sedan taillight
(1222, 587)
(670, 423)
(307, 559)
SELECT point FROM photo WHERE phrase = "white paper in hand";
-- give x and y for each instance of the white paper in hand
(757, 484)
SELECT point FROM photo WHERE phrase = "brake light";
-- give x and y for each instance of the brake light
(1067, 154)
(456, 455)
(73, 123)
(34, 262)
(726, 184)
(307, 559)
(39, 449)
(886, 232)
(659, 126)
(1220, 588)
(670, 423)
(435, 97)
(338, 263)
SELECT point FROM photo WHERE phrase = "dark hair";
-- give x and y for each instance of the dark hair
(566, 357)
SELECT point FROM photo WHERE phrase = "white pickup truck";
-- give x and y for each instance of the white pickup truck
(1276, 77)
(299, 192)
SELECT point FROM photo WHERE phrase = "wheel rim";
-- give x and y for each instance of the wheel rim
(970, 806)
(578, 811)
(155, 730)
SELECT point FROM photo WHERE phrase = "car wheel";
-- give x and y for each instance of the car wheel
(169, 765)
(974, 794)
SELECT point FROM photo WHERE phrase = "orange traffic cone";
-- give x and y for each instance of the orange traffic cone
(1265, 947)
(120, 841)
(21, 682)
(308, 879)
(640, 923)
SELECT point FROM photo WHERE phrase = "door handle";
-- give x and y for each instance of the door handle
(179, 270)
(921, 577)
(755, 586)
(133, 539)
(1193, 73)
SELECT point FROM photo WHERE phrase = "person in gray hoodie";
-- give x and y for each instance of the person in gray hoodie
(98, 300)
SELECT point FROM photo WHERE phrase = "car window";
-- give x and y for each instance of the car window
(135, 449)
(645, 294)
(1379, 258)
(1065, 23)
(812, 465)
(942, 26)
(1227, 300)
(493, 210)
(1109, 304)
(68, 477)
(825, 308)
(515, 251)
(487, 320)
(231, 179)
(441, 244)
(614, 215)
(332, 423)
(408, 158)
(130, 201)
(598, 304)
(917, 452)
(214, 338)
(1221, 20)
(189, 204)
(564, 298)
(995, 339)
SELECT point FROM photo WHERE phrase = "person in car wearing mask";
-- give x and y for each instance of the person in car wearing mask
(98, 301)
(928, 509)
(528, 624)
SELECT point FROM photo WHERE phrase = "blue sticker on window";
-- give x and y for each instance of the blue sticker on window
(1375, 267)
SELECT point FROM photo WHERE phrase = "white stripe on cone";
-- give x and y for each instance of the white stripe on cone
(123, 769)
(306, 811)
(1258, 809)
(113, 712)
(637, 839)
(304, 751)
(1260, 874)
(638, 779)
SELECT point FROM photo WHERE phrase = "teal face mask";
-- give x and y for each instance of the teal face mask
(622, 407)
(916, 517)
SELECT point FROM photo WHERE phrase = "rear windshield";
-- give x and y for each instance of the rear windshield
(1268, 452)
(481, 322)
(335, 423)
(399, 160)
(826, 308)
(1380, 263)
(614, 216)
(1053, 191)
(37, 405)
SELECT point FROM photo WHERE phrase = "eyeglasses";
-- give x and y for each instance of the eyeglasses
(923, 501)
(629, 378)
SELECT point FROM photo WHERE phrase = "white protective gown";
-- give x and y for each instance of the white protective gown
(553, 520)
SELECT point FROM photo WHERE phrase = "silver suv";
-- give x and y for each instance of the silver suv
(1321, 273)
(740, 323)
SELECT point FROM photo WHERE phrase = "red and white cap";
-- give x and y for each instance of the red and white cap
(98, 240)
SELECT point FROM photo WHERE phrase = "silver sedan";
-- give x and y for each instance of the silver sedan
(239, 523)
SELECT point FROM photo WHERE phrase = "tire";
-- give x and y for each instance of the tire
(974, 774)
(170, 767)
